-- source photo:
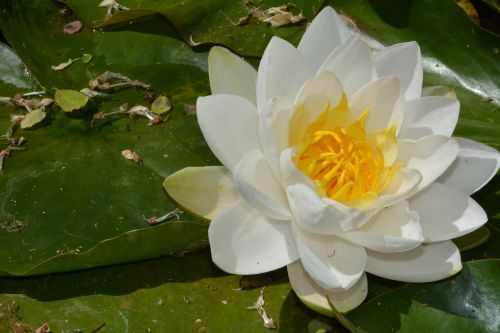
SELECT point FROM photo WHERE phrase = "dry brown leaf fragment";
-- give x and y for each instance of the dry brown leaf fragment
(259, 306)
(18, 328)
(279, 16)
(73, 27)
(43, 329)
(155, 121)
(90, 93)
(131, 155)
(279, 20)
(190, 108)
(16, 118)
(112, 7)
(63, 65)
(6, 101)
(297, 18)
(243, 20)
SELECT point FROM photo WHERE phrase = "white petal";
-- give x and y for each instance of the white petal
(426, 263)
(258, 186)
(333, 263)
(204, 191)
(431, 156)
(433, 115)
(474, 167)
(311, 101)
(403, 61)
(324, 34)
(446, 213)
(316, 298)
(274, 130)
(393, 229)
(323, 215)
(229, 74)
(315, 93)
(403, 185)
(242, 241)
(282, 111)
(282, 71)
(291, 175)
(385, 99)
(352, 63)
(229, 124)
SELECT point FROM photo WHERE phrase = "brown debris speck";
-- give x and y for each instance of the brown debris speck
(131, 155)
(73, 27)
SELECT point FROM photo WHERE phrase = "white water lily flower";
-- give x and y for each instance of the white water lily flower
(334, 165)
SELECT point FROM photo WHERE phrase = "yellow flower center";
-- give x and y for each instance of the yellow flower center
(346, 163)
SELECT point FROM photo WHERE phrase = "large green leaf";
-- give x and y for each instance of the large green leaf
(80, 202)
(167, 295)
(470, 299)
(208, 21)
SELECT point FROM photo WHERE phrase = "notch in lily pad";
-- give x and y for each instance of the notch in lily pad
(70, 100)
(161, 105)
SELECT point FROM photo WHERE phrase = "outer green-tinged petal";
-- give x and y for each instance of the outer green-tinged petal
(229, 124)
(204, 191)
(403, 61)
(243, 241)
(325, 33)
(474, 167)
(282, 71)
(258, 186)
(431, 156)
(393, 229)
(447, 213)
(229, 74)
(433, 115)
(319, 299)
(352, 63)
(426, 263)
(385, 99)
(333, 263)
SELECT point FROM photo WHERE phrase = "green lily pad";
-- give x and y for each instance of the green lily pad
(187, 294)
(33, 118)
(70, 100)
(80, 202)
(427, 319)
(470, 299)
(210, 21)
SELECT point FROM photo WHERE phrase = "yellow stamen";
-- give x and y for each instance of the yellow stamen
(347, 164)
